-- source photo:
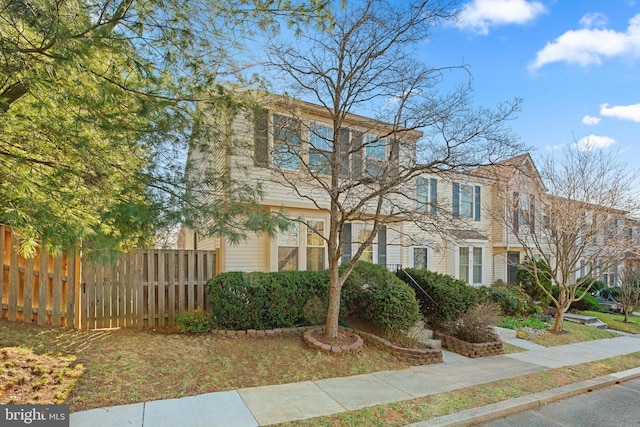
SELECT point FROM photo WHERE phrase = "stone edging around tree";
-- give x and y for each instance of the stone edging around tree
(468, 349)
(413, 356)
(335, 349)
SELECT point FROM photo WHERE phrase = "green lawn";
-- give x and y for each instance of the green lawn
(615, 321)
(575, 332)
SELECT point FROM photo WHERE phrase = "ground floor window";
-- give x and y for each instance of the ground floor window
(420, 257)
(315, 245)
(470, 265)
(288, 248)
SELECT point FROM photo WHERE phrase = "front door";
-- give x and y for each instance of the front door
(513, 260)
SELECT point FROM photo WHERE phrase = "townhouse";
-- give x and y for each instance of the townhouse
(471, 216)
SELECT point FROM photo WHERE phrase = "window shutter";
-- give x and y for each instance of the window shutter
(382, 245)
(343, 153)
(477, 203)
(356, 157)
(433, 197)
(532, 221)
(456, 199)
(346, 243)
(261, 137)
(516, 225)
(394, 170)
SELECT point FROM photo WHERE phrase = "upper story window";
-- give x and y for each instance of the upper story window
(375, 156)
(524, 212)
(286, 142)
(320, 147)
(426, 195)
(466, 201)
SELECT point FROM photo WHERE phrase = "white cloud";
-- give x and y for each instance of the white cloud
(554, 147)
(622, 112)
(594, 142)
(591, 45)
(591, 20)
(589, 120)
(480, 15)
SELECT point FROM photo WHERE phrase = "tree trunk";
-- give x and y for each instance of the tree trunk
(626, 314)
(557, 326)
(333, 312)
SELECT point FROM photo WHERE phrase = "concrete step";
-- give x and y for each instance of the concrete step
(586, 320)
(505, 333)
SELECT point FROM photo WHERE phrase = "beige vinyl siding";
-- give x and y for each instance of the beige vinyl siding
(250, 255)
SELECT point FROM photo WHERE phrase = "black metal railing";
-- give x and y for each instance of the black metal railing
(400, 270)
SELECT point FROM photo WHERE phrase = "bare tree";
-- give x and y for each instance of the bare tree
(575, 221)
(365, 169)
(629, 290)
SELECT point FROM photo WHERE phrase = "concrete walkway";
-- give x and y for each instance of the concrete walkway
(267, 405)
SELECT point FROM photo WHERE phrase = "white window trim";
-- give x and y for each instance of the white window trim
(470, 245)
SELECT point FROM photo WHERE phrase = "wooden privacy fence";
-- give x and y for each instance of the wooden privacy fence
(146, 288)
(39, 290)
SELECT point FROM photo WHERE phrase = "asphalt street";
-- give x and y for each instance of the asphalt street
(618, 405)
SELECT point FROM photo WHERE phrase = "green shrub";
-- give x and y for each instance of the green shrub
(314, 311)
(284, 299)
(512, 300)
(532, 322)
(194, 321)
(450, 296)
(376, 296)
(264, 300)
(588, 301)
(526, 280)
(596, 285)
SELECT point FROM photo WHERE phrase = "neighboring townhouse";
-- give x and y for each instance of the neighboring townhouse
(515, 207)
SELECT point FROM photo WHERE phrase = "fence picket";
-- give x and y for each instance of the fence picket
(43, 286)
(162, 287)
(192, 280)
(56, 314)
(14, 282)
(27, 306)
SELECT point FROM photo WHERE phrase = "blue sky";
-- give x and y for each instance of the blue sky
(576, 64)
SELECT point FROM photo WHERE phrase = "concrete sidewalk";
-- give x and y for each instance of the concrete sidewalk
(267, 405)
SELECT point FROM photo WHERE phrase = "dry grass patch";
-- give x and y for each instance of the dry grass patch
(406, 412)
(127, 365)
(26, 377)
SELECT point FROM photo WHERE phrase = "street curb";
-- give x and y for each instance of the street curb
(502, 409)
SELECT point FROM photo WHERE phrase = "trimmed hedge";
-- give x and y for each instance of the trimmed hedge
(279, 300)
(263, 300)
(452, 296)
